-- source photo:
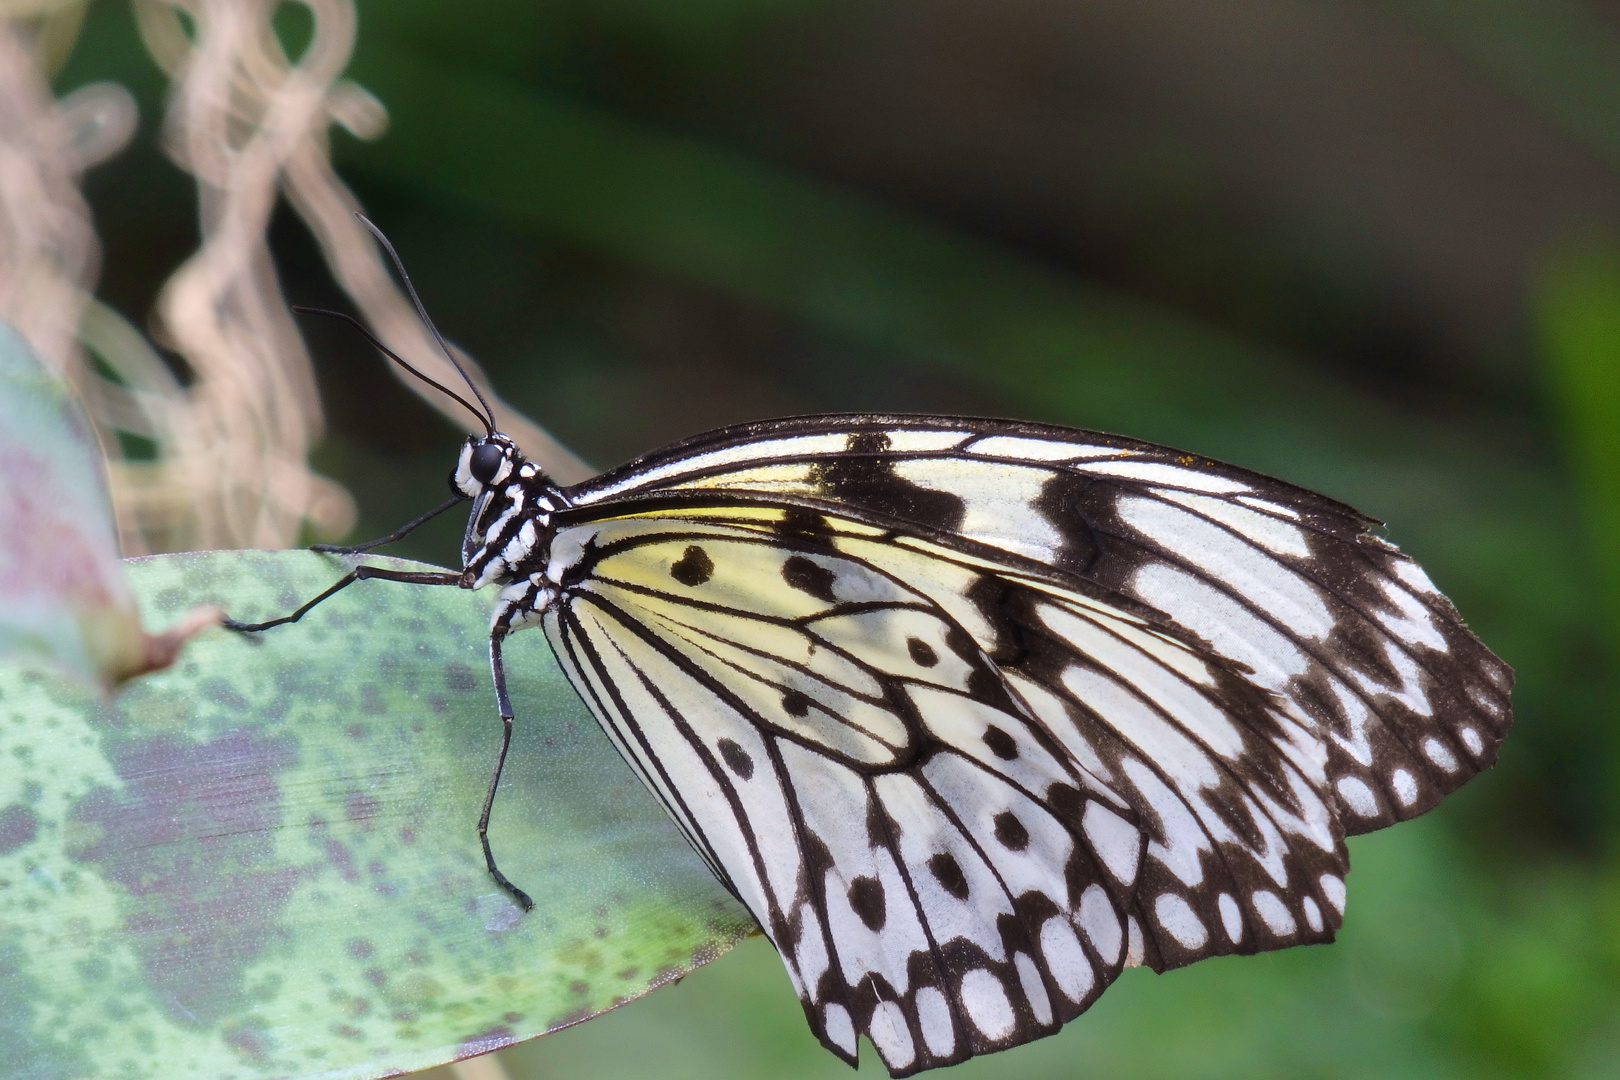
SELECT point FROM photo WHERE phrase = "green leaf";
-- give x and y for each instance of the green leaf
(63, 597)
(264, 861)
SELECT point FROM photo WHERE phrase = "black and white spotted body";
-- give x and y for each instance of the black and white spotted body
(508, 530)
(972, 714)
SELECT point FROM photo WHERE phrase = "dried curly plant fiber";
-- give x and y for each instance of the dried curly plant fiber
(234, 118)
(250, 123)
(48, 249)
(228, 465)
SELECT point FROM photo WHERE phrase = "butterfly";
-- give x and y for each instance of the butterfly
(973, 714)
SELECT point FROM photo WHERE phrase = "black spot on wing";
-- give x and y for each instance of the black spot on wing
(1000, 743)
(922, 654)
(865, 476)
(693, 568)
(1010, 831)
(949, 875)
(737, 758)
(984, 685)
(866, 899)
(796, 703)
(809, 577)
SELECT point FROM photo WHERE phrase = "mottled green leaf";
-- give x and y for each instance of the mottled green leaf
(63, 597)
(263, 861)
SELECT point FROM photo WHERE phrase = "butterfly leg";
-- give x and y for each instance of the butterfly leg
(359, 573)
(398, 534)
(498, 669)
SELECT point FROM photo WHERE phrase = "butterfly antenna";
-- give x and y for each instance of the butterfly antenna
(421, 311)
(396, 358)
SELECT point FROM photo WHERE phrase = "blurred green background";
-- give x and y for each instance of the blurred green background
(1366, 246)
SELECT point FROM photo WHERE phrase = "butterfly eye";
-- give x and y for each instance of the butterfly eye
(485, 462)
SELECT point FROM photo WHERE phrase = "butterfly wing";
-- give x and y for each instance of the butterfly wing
(1370, 661)
(854, 768)
(957, 793)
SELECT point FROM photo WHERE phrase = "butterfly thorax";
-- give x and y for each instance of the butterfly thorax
(509, 529)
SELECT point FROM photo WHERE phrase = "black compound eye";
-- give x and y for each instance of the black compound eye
(485, 462)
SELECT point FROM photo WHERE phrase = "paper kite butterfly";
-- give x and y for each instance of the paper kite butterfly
(973, 714)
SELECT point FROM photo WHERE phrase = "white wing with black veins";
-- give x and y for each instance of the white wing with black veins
(971, 714)
(854, 768)
(1369, 656)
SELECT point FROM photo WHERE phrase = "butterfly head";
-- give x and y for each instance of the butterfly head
(485, 463)
(513, 500)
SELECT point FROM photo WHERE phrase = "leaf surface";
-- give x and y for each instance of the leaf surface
(63, 596)
(263, 862)
(62, 592)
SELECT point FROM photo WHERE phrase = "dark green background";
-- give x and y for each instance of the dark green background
(1363, 246)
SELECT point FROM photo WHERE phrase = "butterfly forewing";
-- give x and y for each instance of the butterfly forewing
(1370, 659)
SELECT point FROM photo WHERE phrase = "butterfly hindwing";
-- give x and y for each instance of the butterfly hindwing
(917, 846)
(981, 783)
(1244, 849)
